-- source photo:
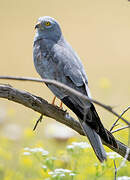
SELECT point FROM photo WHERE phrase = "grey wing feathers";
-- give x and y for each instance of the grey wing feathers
(73, 67)
(72, 71)
(74, 74)
(94, 140)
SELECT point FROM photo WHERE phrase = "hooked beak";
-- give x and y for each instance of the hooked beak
(38, 25)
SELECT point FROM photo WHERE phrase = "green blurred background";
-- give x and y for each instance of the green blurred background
(100, 33)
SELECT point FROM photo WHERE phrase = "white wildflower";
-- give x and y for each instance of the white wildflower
(70, 147)
(44, 166)
(27, 149)
(81, 145)
(36, 149)
(26, 153)
(51, 173)
(54, 175)
(61, 172)
(41, 150)
(113, 155)
(72, 174)
(123, 178)
(51, 158)
(45, 153)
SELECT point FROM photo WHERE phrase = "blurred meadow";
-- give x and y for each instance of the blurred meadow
(99, 31)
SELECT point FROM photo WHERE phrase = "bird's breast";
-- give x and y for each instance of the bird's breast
(45, 62)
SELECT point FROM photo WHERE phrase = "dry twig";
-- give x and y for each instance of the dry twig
(125, 127)
(115, 170)
(115, 123)
(39, 120)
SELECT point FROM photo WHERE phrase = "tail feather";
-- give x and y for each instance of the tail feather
(95, 141)
(103, 133)
(92, 127)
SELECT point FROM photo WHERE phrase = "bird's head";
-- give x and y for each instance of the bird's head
(48, 28)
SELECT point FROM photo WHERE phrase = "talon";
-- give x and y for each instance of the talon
(61, 105)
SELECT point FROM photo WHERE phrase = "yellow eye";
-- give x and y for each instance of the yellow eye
(47, 23)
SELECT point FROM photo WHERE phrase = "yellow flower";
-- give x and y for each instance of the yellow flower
(72, 139)
(44, 173)
(26, 161)
(39, 143)
(28, 133)
(104, 83)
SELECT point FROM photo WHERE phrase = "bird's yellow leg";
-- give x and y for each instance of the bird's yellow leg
(61, 105)
(53, 101)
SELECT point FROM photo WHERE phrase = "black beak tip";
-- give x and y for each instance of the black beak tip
(36, 26)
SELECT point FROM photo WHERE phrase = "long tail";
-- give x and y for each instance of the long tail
(92, 127)
(99, 128)
(94, 140)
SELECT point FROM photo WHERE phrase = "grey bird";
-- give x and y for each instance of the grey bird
(55, 59)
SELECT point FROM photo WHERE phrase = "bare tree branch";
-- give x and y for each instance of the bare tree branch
(43, 107)
(124, 160)
(115, 177)
(39, 120)
(69, 90)
(115, 123)
(125, 127)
